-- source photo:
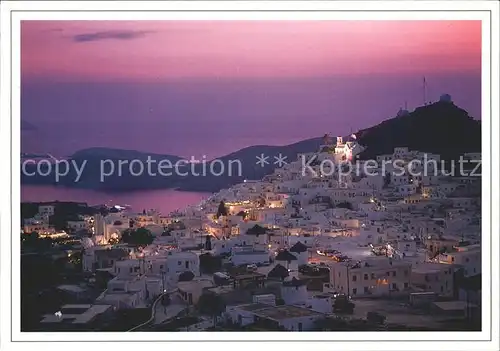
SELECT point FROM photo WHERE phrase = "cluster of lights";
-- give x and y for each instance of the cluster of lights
(236, 203)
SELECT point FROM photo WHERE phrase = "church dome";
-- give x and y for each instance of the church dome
(445, 98)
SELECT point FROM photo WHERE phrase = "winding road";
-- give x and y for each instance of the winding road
(153, 310)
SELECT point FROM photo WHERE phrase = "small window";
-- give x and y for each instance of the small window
(373, 275)
(179, 263)
(354, 291)
(366, 276)
(394, 286)
(394, 273)
(366, 290)
(406, 285)
(354, 278)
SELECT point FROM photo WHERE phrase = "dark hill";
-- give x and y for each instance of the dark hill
(440, 128)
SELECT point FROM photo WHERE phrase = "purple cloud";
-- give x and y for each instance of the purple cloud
(113, 34)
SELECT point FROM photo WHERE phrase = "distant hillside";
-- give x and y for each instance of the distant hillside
(250, 169)
(441, 128)
(91, 176)
(104, 153)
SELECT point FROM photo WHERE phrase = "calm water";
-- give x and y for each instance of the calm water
(164, 200)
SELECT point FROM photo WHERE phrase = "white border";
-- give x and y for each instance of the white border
(5, 127)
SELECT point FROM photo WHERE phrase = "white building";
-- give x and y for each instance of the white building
(248, 255)
(320, 303)
(125, 293)
(102, 257)
(47, 210)
(294, 291)
(376, 276)
(433, 277)
(467, 257)
(173, 263)
(292, 318)
(37, 226)
(191, 291)
(78, 225)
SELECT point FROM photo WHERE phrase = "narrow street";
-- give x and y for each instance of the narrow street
(163, 313)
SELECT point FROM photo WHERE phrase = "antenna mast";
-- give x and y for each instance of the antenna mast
(424, 92)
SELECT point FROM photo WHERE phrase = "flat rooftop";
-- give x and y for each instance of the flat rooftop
(453, 305)
(71, 288)
(194, 285)
(91, 311)
(247, 275)
(73, 306)
(117, 296)
(254, 307)
(429, 267)
(221, 289)
(253, 252)
(380, 262)
(285, 312)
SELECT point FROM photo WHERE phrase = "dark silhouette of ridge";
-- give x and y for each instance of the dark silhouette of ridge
(440, 128)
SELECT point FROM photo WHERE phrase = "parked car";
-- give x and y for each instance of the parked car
(251, 267)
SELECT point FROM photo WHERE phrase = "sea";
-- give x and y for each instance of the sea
(165, 201)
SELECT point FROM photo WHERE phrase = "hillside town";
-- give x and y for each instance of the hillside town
(294, 251)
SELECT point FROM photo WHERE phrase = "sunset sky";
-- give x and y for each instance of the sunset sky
(149, 51)
(216, 86)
